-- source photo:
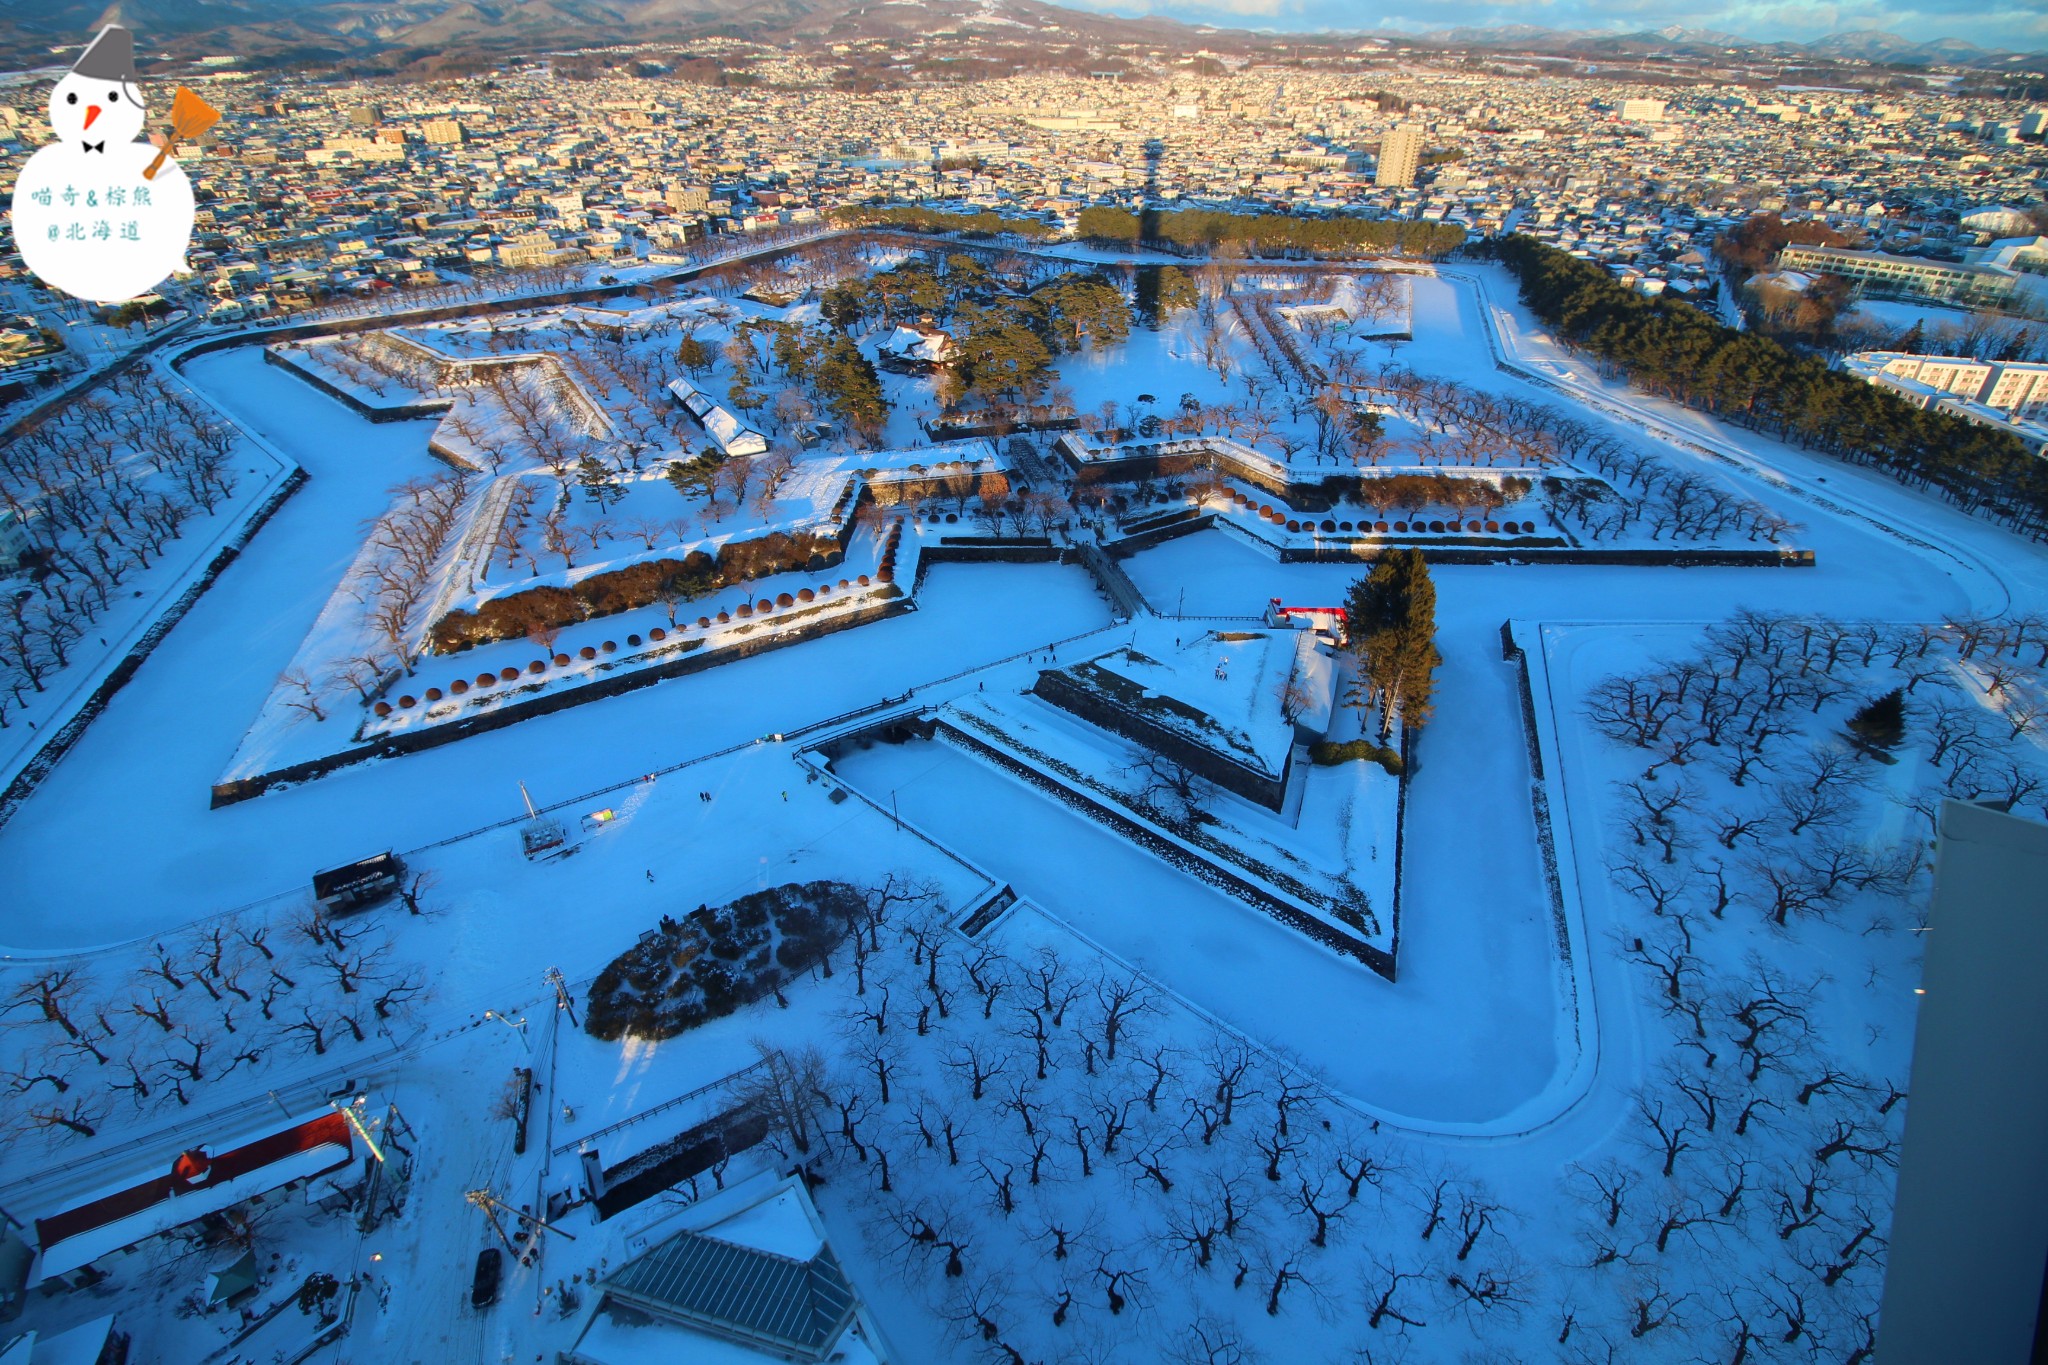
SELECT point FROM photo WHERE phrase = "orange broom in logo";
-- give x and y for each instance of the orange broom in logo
(190, 116)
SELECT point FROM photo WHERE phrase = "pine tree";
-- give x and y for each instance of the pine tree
(1879, 726)
(597, 482)
(693, 355)
(1391, 625)
(1419, 653)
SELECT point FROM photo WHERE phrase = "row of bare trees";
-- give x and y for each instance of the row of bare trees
(393, 581)
(1666, 499)
(91, 1045)
(101, 488)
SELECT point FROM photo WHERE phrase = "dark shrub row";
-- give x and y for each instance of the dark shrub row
(1328, 754)
(635, 585)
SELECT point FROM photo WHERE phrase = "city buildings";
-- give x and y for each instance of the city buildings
(437, 181)
(2017, 387)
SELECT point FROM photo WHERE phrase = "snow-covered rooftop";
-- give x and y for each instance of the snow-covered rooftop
(1220, 689)
(188, 1188)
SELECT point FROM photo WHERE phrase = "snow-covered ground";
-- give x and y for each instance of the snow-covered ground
(1503, 1066)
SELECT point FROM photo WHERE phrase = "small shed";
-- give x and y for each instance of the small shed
(357, 884)
(233, 1285)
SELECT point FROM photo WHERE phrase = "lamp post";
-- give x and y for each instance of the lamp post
(519, 1028)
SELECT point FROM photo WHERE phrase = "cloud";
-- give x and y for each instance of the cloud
(2020, 27)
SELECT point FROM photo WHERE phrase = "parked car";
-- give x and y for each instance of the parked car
(483, 1290)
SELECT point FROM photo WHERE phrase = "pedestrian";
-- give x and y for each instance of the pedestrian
(785, 796)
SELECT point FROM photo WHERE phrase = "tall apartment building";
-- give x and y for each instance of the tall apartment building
(1398, 156)
(442, 130)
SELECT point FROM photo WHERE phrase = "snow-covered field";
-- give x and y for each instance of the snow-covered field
(1410, 1168)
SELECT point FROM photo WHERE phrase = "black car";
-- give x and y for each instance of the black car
(483, 1290)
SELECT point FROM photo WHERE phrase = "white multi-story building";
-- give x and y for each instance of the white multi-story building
(1878, 272)
(2019, 387)
(2010, 395)
(532, 248)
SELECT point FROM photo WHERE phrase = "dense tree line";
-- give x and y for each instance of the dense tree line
(906, 292)
(1391, 626)
(1269, 234)
(934, 220)
(821, 361)
(1008, 339)
(1676, 351)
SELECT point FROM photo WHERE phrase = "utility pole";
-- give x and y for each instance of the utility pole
(563, 1000)
(491, 1205)
(484, 1200)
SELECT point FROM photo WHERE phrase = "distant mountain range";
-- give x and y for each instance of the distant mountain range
(1859, 45)
(392, 32)
(335, 30)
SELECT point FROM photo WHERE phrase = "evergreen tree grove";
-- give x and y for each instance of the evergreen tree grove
(1391, 627)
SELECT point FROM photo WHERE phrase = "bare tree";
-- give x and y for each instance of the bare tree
(298, 692)
(1211, 1340)
(1669, 1134)
(1120, 998)
(1383, 1297)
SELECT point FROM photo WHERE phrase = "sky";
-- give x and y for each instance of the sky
(2009, 24)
